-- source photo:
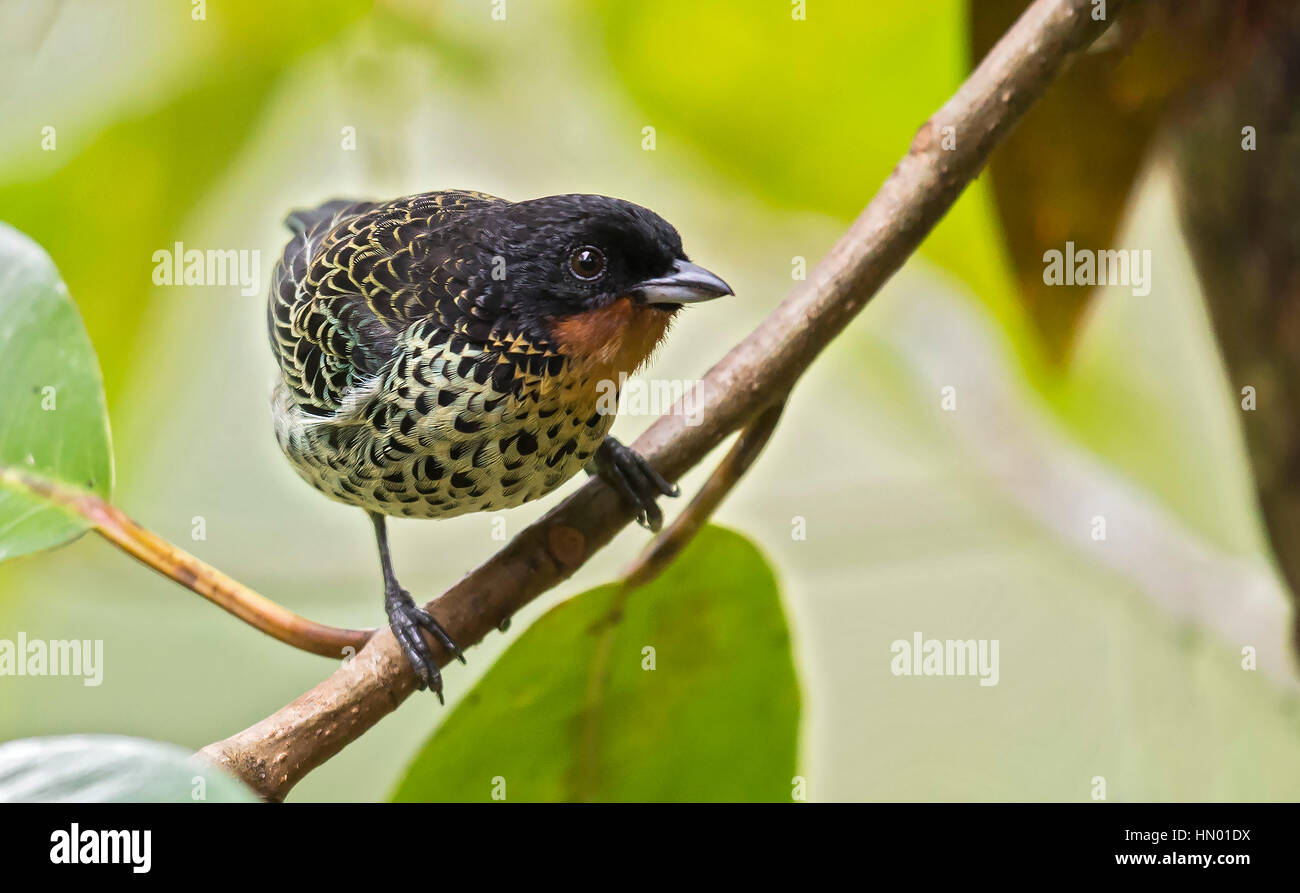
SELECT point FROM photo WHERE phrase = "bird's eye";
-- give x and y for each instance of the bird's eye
(587, 262)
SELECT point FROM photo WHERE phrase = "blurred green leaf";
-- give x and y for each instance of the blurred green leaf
(821, 131)
(146, 174)
(110, 769)
(570, 712)
(811, 115)
(104, 212)
(52, 417)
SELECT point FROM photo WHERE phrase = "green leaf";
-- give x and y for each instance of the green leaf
(570, 713)
(110, 769)
(52, 417)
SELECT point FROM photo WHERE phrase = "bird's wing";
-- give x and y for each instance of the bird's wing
(357, 274)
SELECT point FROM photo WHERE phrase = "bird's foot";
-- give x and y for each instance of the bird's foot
(627, 471)
(408, 621)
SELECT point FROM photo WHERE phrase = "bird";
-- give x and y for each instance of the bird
(447, 352)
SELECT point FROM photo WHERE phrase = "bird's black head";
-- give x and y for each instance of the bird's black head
(566, 257)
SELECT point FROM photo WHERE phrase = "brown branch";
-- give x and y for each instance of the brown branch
(155, 552)
(277, 752)
(674, 538)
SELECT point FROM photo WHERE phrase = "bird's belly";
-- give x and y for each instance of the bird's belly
(443, 461)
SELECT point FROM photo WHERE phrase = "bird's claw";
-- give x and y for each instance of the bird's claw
(408, 621)
(628, 472)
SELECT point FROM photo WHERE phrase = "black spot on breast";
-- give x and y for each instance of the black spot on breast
(526, 444)
(447, 396)
(502, 375)
(465, 368)
(428, 469)
(423, 405)
(466, 425)
(559, 455)
(461, 479)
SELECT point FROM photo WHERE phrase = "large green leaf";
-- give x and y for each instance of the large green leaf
(52, 417)
(110, 769)
(570, 712)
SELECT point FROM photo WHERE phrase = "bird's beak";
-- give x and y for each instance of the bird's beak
(688, 283)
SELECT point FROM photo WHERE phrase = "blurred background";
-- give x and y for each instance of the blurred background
(1120, 657)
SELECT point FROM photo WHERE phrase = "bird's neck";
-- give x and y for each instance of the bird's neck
(611, 341)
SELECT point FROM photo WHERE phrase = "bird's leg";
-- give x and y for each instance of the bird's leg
(627, 471)
(408, 620)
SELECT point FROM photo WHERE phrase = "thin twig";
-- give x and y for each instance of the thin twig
(665, 547)
(154, 552)
(275, 753)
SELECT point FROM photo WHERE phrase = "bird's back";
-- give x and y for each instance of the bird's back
(347, 285)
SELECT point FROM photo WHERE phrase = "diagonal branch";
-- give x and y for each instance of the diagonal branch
(277, 752)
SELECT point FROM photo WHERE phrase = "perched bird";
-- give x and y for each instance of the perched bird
(447, 353)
